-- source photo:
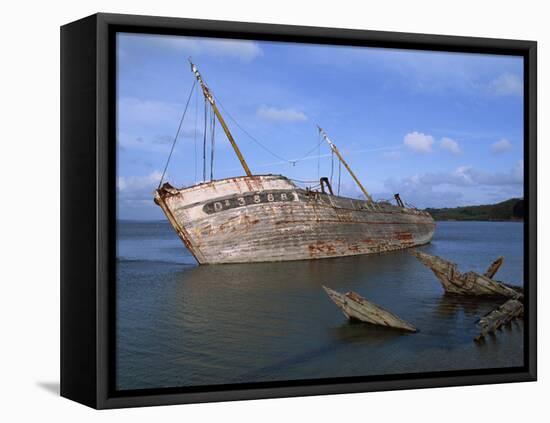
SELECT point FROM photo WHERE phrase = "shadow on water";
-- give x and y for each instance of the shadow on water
(363, 273)
(450, 305)
(355, 331)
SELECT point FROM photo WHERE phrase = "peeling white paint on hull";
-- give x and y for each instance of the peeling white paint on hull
(267, 218)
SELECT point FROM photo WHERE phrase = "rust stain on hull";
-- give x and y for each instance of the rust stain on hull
(182, 233)
(322, 248)
(268, 218)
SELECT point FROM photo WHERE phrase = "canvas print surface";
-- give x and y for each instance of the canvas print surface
(290, 212)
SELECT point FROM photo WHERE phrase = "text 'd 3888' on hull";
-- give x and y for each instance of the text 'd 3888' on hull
(267, 218)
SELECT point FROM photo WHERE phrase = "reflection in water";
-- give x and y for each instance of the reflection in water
(185, 325)
(354, 331)
(449, 305)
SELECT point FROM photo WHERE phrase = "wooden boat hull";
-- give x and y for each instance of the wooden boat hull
(467, 283)
(267, 218)
(503, 315)
(356, 307)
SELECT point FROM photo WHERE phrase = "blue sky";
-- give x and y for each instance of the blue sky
(442, 129)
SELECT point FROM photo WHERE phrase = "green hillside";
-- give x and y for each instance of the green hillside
(512, 209)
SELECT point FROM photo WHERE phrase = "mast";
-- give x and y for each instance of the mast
(210, 98)
(337, 152)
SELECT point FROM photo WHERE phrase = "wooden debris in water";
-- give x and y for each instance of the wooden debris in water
(356, 307)
(468, 283)
(502, 315)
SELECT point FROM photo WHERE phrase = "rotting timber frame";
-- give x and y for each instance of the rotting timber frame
(88, 209)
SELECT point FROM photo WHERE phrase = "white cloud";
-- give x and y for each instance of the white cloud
(392, 155)
(136, 143)
(467, 175)
(151, 125)
(418, 141)
(136, 194)
(461, 186)
(244, 50)
(501, 146)
(136, 110)
(281, 115)
(506, 84)
(450, 145)
(518, 170)
(138, 188)
(464, 176)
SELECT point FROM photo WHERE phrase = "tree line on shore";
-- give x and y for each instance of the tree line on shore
(512, 209)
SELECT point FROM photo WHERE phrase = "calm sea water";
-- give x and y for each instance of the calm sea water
(179, 324)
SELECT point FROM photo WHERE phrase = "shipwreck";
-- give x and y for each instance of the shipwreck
(499, 317)
(265, 218)
(358, 308)
(476, 284)
(468, 283)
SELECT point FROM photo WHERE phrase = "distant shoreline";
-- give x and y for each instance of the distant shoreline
(481, 220)
(511, 210)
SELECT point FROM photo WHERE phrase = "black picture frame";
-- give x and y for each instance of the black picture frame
(88, 208)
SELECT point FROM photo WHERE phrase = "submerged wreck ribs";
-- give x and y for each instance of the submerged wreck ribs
(356, 307)
(472, 283)
(504, 314)
(468, 283)
(267, 218)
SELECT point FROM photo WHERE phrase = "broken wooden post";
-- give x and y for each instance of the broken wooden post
(356, 307)
(504, 314)
(493, 268)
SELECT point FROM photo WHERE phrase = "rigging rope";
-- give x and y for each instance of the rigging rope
(308, 153)
(339, 174)
(331, 166)
(196, 124)
(277, 156)
(292, 162)
(318, 156)
(204, 143)
(302, 182)
(259, 143)
(212, 144)
(177, 134)
(247, 133)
